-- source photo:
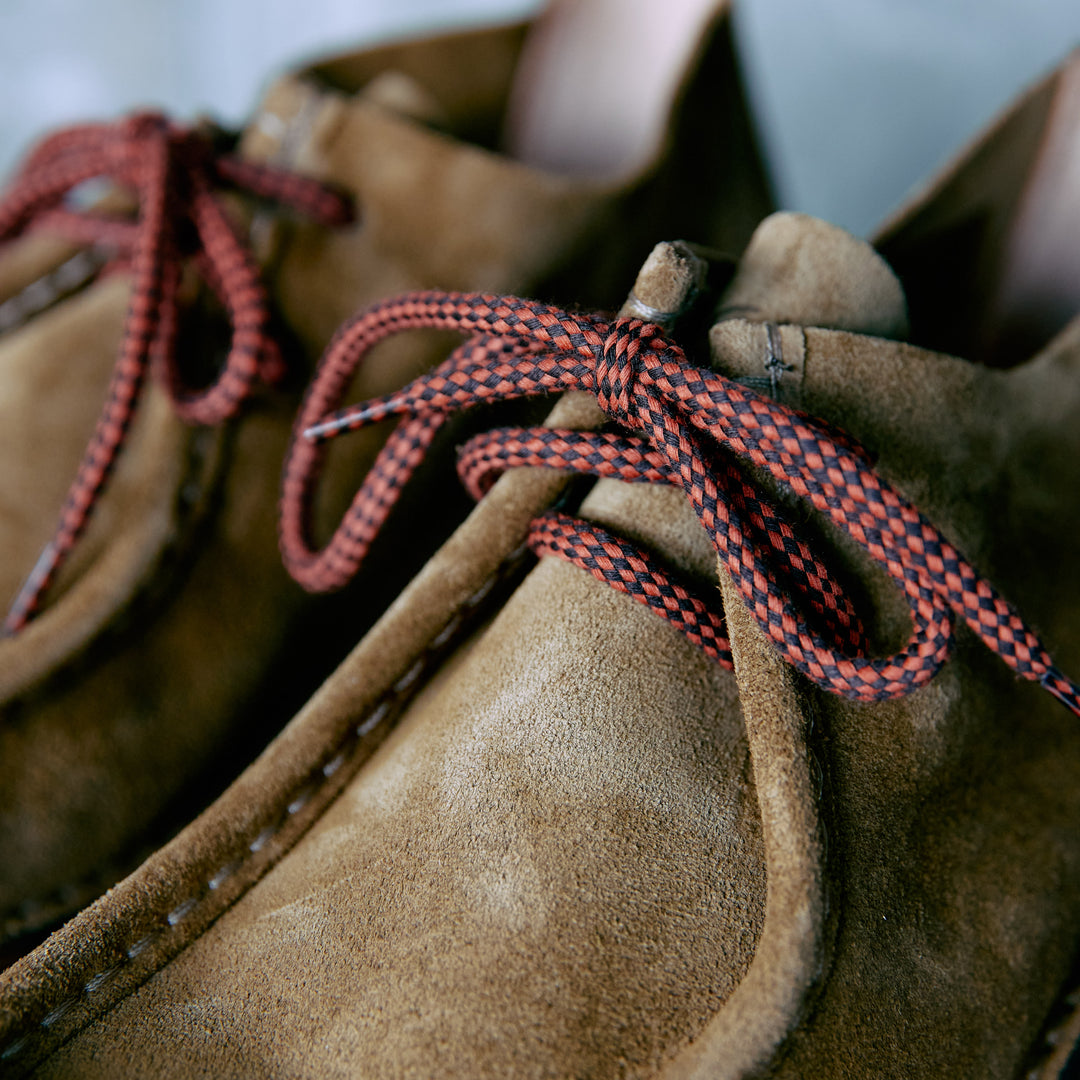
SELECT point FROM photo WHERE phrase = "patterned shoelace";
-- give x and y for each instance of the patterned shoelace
(693, 424)
(173, 173)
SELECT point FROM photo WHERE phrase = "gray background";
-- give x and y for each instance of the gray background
(858, 100)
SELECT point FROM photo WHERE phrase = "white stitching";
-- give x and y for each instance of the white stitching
(54, 285)
(181, 911)
(139, 946)
(332, 766)
(271, 125)
(61, 1010)
(101, 978)
(410, 676)
(223, 875)
(374, 720)
(16, 1047)
(260, 841)
(378, 714)
(448, 631)
(478, 597)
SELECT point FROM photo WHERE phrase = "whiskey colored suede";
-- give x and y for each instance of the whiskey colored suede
(462, 824)
(25, 262)
(600, 783)
(586, 850)
(458, 943)
(175, 641)
(907, 874)
(954, 820)
(67, 353)
(952, 833)
(640, 771)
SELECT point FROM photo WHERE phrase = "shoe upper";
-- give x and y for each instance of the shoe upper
(585, 832)
(529, 828)
(166, 634)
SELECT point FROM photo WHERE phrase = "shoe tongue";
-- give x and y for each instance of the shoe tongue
(799, 269)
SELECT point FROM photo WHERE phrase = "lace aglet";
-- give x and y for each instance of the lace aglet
(28, 595)
(1063, 688)
(351, 419)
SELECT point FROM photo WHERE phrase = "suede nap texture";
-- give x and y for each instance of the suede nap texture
(456, 909)
(26, 262)
(477, 900)
(174, 641)
(951, 818)
(498, 770)
(118, 941)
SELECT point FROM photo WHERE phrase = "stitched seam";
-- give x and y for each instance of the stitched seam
(193, 509)
(72, 275)
(398, 694)
(195, 491)
(176, 174)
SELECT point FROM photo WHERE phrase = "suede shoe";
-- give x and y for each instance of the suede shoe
(573, 838)
(171, 643)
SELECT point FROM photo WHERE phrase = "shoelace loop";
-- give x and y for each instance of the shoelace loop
(616, 372)
(695, 423)
(174, 174)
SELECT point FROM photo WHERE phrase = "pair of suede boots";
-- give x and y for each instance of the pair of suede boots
(534, 824)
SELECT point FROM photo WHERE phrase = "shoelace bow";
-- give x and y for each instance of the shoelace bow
(173, 173)
(694, 424)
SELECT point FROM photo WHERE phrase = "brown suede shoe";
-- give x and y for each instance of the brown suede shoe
(587, 848)
(172, 643)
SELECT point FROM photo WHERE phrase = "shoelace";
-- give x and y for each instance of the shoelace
(694, 423)
(173, 172)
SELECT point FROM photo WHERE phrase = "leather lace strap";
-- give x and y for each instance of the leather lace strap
(174, 174)
(691, 425)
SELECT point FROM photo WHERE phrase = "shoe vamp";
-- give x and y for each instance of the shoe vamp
(56, 374)
(561, 840)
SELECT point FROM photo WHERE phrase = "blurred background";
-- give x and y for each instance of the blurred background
(858, 100)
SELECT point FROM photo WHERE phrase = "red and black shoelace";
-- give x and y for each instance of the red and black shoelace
(175, 174)
(687, 427)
